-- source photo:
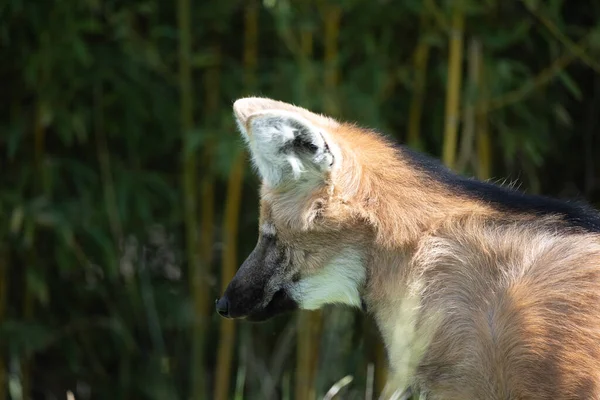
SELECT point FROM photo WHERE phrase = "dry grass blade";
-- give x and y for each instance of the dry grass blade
(337, 387)
(398, 394)
(405, 395)
(370, 381)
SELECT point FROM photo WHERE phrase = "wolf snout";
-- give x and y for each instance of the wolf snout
(222, 306)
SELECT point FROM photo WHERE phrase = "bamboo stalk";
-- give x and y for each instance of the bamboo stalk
(454, 85)
(201, 293)
(420, 59)
(28, 315)
(39, 138)
(230, 229)
(306, 54)
(465, 154)
(309, 329)
(206, 239)
(333, 14)
(189, 179)
(482, 135)
(207, 212)
(39, 133)
(250, 44)
(108, 187)
(4, 261)
(484, 150)
(232, 210)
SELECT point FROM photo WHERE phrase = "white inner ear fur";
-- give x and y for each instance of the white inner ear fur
(338, 283)
(285, 145)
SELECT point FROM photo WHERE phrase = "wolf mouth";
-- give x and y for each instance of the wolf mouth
(280, 303)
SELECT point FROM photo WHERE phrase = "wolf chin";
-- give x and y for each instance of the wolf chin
(479, 291)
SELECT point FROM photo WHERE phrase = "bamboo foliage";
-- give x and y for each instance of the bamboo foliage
(190, 199)
(543, 78)
(454, 85)
(232, 210)
(572, 47)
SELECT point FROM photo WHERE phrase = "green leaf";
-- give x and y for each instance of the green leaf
(570, 84)
(562, 115)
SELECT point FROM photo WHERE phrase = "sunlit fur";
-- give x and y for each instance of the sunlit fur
(473, 301)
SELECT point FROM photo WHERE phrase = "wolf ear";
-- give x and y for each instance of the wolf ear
(284, 144)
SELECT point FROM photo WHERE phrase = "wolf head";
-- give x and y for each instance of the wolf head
(311, 241)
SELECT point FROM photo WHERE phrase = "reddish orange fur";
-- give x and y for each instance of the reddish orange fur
(510, 304)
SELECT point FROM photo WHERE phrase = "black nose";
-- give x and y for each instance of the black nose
(223, 307)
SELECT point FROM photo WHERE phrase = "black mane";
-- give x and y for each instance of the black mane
(575, 213)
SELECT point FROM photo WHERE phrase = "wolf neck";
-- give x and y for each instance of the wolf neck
(392, 296)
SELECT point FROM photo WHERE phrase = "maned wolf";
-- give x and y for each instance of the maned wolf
(479, 291)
